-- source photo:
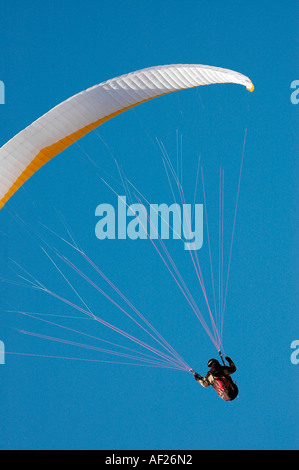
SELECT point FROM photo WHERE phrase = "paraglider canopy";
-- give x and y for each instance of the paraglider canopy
(63, 125)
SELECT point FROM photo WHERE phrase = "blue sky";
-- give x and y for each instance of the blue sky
(53, 50)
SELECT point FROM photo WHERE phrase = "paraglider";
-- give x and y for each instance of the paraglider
(219, 377)
(66, 123)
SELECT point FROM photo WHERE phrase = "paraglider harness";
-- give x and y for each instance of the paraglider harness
(225, 384)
